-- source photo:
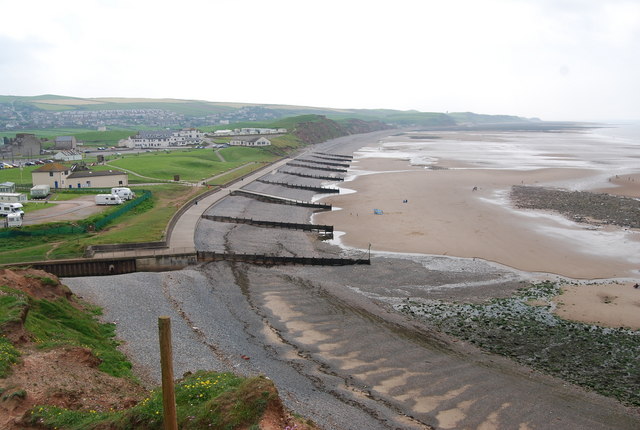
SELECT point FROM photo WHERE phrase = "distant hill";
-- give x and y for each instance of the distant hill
(54, 111)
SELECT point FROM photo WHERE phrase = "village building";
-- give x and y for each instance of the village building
(253, 130)
(97, 179)
(66, 142)
(250, 141)
(249, 131)
(70, 155)
(57, 175)
(163, 139)
(52, 174)
(24, 144)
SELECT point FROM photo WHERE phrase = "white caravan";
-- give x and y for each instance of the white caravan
(40, 191)
(124, 193)
(12, 220)
(11, 208)
(108, 199)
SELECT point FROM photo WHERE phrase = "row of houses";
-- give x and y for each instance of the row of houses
(249, 131)
(163, 138)
(251, 141)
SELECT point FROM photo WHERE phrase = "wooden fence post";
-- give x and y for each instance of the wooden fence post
(166, 363)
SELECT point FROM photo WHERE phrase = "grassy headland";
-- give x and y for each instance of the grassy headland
(50, 339)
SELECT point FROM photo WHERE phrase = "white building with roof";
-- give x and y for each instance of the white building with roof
(70, 155)
(250, 141)
(163, 139)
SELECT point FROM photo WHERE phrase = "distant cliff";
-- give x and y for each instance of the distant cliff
(318, 128)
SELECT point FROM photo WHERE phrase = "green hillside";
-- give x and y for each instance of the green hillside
(13, 108)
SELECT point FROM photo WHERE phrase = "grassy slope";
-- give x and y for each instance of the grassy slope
(147, 223)
(203, 400)
(57, 322)
(200, 108)
(191, 164)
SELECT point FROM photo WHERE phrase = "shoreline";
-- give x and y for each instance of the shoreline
(445, 216)
(328, 336)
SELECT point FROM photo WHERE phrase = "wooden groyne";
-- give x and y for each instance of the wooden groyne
(73, 268)
(324, 163)
(323, 157)
(307, 166)
(346, 157)
(307, 175)
(322, 229)
(280, 200)
(322, 190)
(271, 260)
(149, 261)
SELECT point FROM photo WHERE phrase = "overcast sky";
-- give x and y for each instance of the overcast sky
(555, 59)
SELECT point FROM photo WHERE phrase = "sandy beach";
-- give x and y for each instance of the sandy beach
(609, 304)
(460, 208)
(332, 338)
(466, 213)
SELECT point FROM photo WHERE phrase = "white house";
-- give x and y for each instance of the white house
(70, 155)
(163, 138)
(189, 133)
(253, 130)
(250, 141)
(57, 175)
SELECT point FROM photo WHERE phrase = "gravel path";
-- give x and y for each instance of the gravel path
(66, 210)
(328, 337)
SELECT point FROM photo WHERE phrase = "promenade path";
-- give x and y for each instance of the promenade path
(181, 238)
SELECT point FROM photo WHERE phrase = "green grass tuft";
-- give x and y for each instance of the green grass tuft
(204, 400)
(58, 323)
(9, 355)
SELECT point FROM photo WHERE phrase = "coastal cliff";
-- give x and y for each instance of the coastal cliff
(319, 128)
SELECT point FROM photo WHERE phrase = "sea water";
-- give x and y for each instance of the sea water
(604, 149)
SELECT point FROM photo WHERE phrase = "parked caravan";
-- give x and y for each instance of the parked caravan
(40, 191)
(12, 220)
(11, 208)
(12, 197)
(108, 199)
(124, 193)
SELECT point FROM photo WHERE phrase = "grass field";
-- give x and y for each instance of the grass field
(17, 175)
(190, 164)
(146, 223)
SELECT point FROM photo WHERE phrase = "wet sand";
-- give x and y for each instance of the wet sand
(610, 304)
(445, 216)
(328, 336)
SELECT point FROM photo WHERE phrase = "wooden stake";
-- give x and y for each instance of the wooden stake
(166, 364)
